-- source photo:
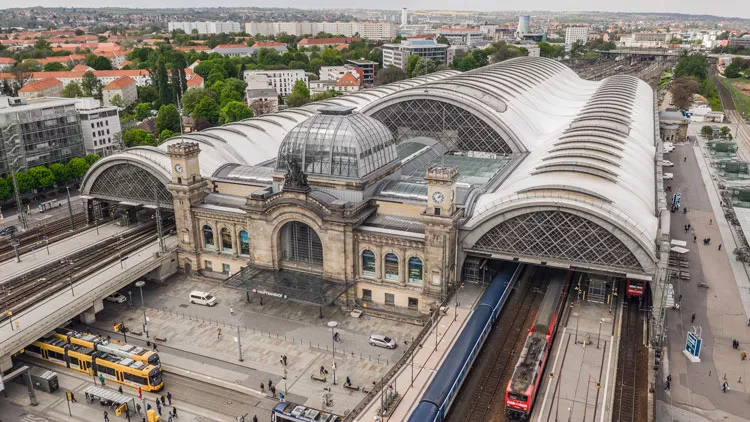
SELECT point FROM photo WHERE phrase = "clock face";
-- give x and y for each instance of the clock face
(438, 197)
(178, 168)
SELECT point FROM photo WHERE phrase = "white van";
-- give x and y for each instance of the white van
(202, 298)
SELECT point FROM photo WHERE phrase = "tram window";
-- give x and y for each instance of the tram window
(73, 361)
(136, 379)
(34, 349)
(105, 369)
(54, 355)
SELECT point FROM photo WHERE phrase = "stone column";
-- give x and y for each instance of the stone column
(88, 316)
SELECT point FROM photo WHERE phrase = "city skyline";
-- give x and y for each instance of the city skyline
(738, 9)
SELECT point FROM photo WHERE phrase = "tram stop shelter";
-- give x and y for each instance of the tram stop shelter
(122, 403)
(284, 284)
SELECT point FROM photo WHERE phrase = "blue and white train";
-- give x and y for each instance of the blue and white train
(443, 389)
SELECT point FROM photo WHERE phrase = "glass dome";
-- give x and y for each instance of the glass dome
(338, 143)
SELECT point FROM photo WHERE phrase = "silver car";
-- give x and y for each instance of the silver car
(382, 341)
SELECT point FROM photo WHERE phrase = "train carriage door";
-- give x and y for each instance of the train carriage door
(120, 376)
(66, 357)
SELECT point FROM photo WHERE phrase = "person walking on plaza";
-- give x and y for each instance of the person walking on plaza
(101, 379)
(692, 318)
(158, 407)
(725, 387)
(231, 310)
(119, 389)
(138, 408)
(694, 237)
(743, 355)
(163, 400)
(169, 416)
(174, 411)
(710, 221)
(719, 246)
(106, 416)
(218, 333)
(284, 357)
(262, 388)
(169, 398)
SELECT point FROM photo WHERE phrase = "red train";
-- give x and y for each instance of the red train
(635, 288)
(522, 387)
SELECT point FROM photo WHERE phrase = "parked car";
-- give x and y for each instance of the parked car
(382, 341)
(667, 163)
(202, 298)
(668, 176)
(116, 298)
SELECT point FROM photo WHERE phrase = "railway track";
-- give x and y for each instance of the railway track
(482, 398)
(34, 238)
(24, 290)
(631, 387)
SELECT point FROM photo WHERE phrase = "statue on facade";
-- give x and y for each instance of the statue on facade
(295, 179)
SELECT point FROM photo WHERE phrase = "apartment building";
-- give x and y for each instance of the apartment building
(575, 34)
(100, 127)
(42, 88)
(125, 87)
(372, 30)
(398, 54)
(368, 70)
(260, 94)
(462, 36)
(206, 27)
(281, 80)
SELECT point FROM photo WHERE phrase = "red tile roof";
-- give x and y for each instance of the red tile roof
(120, 83)
(80, 68)
(326, 41)
(195, 81)
(39, 85)
(347, 80)
(222, 46)
(6, 60)
(262, 44)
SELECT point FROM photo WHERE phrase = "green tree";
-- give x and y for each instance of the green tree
(388, 75)
(91, 86)
(6, 191)
(98, 62)
(733, 70)
(724, 131)
(142, 111)
(54, 67)
(61, 172)
(551, 51)
(168, 119)
(72, 90)
(77, 168)
(424, 67)
(300, 94)
(235, 111)
(43, 177)
(80, 32)
(707, 131)
(194, 96)
(28, 66)
(682, 90)
(147, 94)
(315, 65)
(92, 158)
(207, 109)
(117, 100)
(166, 134)
(695, 65)
(24, 180)
(137, 137)
(413, 60)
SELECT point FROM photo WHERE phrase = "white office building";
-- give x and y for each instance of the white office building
(398, 54)
(575, 34)
(281, 80)
(206, 27)
(404, 17)
(372, 30)
(100, 127)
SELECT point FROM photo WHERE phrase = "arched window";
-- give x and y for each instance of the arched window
(244, 243)
(208, 237)
(226, 240)
(368, 263)
(415, 270)
(391, 267)
(300, 243)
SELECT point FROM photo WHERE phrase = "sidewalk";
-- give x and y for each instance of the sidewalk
(426, 361)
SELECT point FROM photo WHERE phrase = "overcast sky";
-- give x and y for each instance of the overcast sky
(728, 8)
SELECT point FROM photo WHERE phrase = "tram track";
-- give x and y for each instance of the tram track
(33, 238)
(482, 397)
(24, 290)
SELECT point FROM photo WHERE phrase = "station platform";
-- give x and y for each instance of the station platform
(59, 250)
(413, 379)
(582, 366)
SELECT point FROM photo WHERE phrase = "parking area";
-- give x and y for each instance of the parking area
(262, 333)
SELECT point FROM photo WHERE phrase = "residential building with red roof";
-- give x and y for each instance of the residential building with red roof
(125, 87)
(6, 63)
(41, 88)
(326, 42)
(195, 81)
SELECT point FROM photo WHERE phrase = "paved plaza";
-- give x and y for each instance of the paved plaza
(194, 348)
(719, 310)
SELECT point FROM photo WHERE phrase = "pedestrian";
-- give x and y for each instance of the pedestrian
(73, 397)
(348, 382)
(101, 379)
(281, 360)
(725, 387)
(163, 400)
(679, 299)
(743, 355)
(138, 408)
(255, 418)
(719, 246)
(231, 310)
(158, 407)
(119, 389)
(174, 411)
(169, 416)
(689, 226)
(262, 388)
(106, 416)
(692, 318)
(169, 398)
(684, 160)
(273, 391)
(218, 333)
(667, 385)
(281, 397)
(695, 237)
(323, 369)
(710, 221)
(284, 357)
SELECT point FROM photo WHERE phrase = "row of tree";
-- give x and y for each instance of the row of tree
(691, 77)
(42, 177)
(738, 68)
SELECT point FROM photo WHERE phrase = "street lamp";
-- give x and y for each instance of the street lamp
(333, 325)
(139, 284)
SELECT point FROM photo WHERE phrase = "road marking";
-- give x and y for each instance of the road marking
(33, 418)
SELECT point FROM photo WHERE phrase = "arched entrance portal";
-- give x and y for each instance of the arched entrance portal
(300, 244)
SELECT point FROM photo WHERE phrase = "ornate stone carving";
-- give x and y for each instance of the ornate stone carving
(295, 179)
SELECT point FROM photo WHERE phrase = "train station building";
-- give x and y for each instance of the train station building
(392, 196)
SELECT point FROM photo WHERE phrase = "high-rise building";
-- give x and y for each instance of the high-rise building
(205, 27)
(574, 34)
(372, 30)
(404, 17)
(38, 132)
(398, 54)
(523, 25)
(100, 127)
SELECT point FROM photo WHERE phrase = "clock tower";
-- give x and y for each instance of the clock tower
(440, 219)
(187, 187)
